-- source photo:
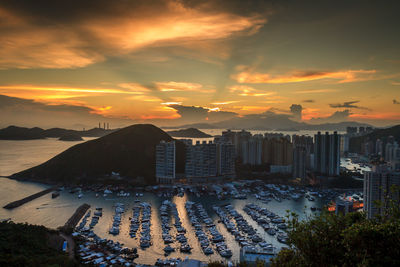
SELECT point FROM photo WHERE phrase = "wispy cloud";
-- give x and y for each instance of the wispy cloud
(115, 29)
(248, 75)
(316, 91)
(349, 104)
(172, 86)
(224, 103)
(65, 89)
(244, 90)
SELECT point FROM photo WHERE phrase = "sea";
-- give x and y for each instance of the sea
(16, 156)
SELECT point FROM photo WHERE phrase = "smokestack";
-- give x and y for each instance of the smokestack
(104, 125)
(108, 126)
(99, 125)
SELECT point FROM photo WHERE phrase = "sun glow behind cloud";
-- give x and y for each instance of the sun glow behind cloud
(345, 76)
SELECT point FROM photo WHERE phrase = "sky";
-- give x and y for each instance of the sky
(76, 63)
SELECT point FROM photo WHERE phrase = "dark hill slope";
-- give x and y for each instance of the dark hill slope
(190, 133)
(129, 151)
(356, 142)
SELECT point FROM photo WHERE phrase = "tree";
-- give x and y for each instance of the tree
(343, 240)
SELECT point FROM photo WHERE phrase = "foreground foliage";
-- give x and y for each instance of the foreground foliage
(30, 245)
(343, 240)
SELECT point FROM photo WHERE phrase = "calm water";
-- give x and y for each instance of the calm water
(19, 155)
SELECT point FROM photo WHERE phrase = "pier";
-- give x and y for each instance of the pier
(75, 218)
(21, 202)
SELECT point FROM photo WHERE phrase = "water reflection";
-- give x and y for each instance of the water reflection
(55, 212)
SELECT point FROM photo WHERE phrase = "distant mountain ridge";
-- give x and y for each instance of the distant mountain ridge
(23, 133)
(189, 133)
(273, 124)
(129, 151)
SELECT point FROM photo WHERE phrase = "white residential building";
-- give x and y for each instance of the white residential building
(165, 162)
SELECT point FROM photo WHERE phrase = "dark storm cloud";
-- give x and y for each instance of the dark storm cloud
(349, 104)
(396, 102)
(337, 116)
(221, 115)
(15, 102)
(191, 112)
(296, 110)
(45, 11)
(196, 114)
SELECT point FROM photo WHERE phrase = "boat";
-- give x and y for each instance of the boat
(226, 253)
(271, 231)
(168, 249)
(55, 194)
(144, 243)
(208, 251)
(185, 247)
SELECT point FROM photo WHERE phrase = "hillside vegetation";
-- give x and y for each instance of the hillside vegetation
(30, 245)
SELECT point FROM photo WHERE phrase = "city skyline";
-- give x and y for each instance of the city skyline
(179, 62)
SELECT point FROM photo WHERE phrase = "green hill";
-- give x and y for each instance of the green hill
(129, 152)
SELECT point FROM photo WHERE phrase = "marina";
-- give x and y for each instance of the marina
(167, 223)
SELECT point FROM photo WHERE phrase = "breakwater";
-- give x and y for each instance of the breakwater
(75, 218)
(21, 202)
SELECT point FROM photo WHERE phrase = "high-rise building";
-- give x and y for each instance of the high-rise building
(327, 153)
(392, 155)
(165, 162)
(252, 150)
(225, 158)
(344, 144)
(351, 130)
(277, 151)
(377, 187)
(308, 143)
(299, 162)
(237, 139)
(379, 147)
(201, 160)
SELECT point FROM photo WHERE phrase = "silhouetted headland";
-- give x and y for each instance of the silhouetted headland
(23, 133)
(126, 155)
(189, 133)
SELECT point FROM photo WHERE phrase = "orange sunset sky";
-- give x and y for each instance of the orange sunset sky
(76, 63)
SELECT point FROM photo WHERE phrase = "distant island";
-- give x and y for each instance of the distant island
(126, 156)
(70, 137)
(189, 133)
(23, 133)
